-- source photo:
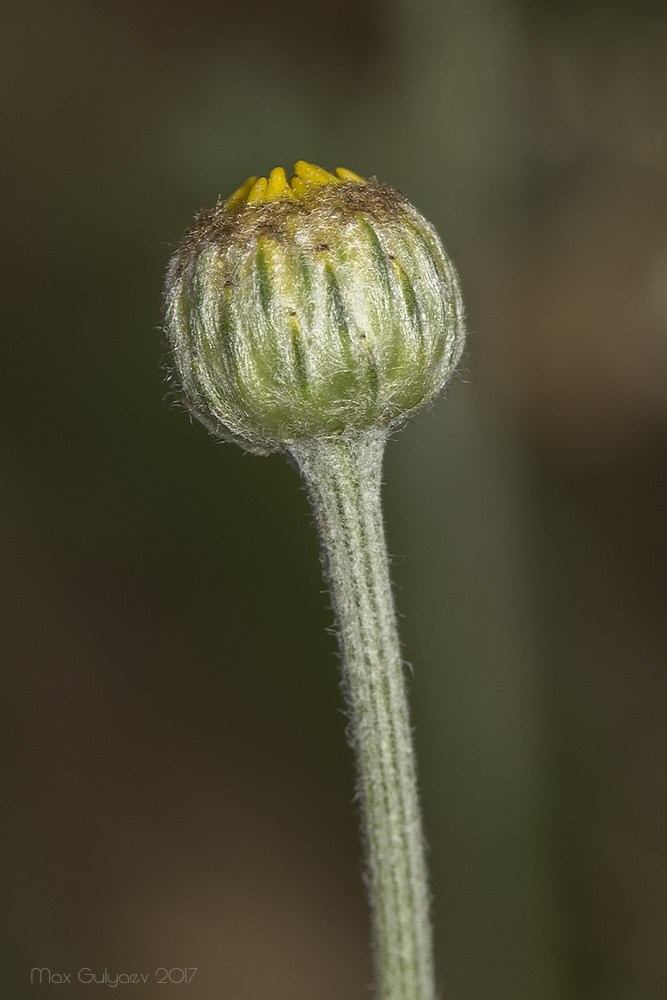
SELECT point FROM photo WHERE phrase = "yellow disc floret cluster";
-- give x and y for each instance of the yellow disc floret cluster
(276, 187)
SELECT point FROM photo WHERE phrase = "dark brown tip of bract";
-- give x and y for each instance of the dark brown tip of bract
(243, 223)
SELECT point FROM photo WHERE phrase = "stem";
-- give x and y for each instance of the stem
(343, 476)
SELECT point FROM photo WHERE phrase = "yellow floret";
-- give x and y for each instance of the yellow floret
(241, 193)
(278, 186)
(257, 193)
(349, 175)
(312, 174)
(298, 186)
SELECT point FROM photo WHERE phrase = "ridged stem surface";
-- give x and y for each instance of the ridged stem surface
(343, 476)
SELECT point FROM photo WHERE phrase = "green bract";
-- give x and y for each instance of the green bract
(335, 310)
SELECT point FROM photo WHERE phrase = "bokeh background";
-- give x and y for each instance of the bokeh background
(178, 787)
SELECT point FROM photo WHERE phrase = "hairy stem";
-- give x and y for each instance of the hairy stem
(343, 476)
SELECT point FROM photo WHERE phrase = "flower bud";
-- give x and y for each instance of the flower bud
(311, 308)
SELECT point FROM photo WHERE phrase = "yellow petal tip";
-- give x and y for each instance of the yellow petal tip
(277, 185)
(257, 193)
(241, 193)
(349, 175)
(312, 174)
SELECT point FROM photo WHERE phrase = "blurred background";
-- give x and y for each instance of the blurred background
(178, 785)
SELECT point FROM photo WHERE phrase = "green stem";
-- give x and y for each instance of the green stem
(343, 476)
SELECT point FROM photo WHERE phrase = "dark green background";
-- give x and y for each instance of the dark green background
(178, 784)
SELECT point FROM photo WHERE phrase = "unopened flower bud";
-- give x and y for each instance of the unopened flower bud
(311, 308)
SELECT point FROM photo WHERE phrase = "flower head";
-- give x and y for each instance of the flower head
(314, 307)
